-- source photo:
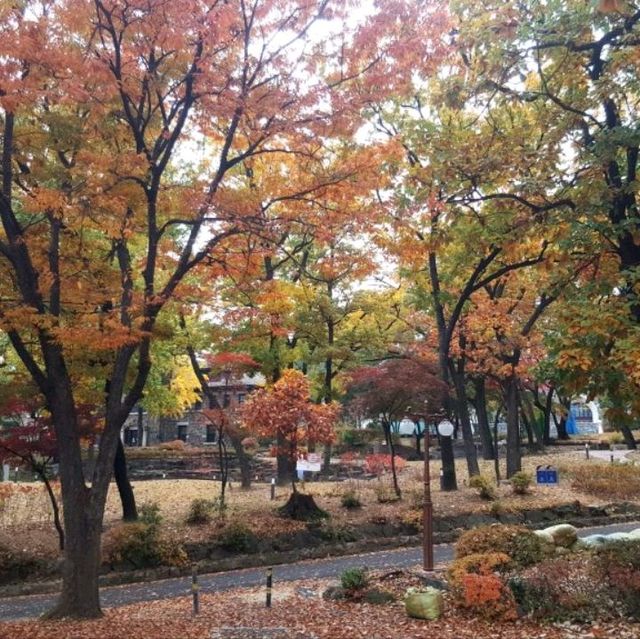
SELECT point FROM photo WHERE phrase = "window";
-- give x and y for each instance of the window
(226, 401)
(211, 434)
(182, 432)
(241, 398)
(213, 402)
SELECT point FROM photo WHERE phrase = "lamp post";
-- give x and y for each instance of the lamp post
(445, 429)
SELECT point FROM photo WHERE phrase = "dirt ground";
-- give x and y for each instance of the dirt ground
(26, 521)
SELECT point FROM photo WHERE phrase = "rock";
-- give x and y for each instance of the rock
(579, 545)
(593, 541)
(635, 534)
(618, 536)
(564, 535)
(561, 550)
(544, 536)
(334, 593)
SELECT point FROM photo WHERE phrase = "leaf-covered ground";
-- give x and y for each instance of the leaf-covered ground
(299, 608)
(25, 519)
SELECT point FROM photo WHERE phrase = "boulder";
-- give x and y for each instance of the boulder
(546, 537)
(564, 535)
(635, 534)
(618, 536)
(593, 541)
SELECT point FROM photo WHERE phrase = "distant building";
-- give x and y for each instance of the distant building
(191, 427)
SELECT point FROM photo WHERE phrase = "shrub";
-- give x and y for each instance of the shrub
(17, 566)
(354, 578)
(478, 564)
(609, 481)
(201, 511)
(521, 544)
(413, 519)
(176, 444)
(237, 537)
(619, 564)
(150, 514)
(350, 499)
(488, 597)
(358, 437)
(483, 485)
(562, 588)
(520, 482)
(385, 493)
(141, 545)
(478, 586)
(336, 532)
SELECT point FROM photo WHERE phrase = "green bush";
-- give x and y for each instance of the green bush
(521, 544)
(237, 537)
(483, 485)
(150, 514)
(141, 545)
(520, 482)
(385, 493)
(336, 532)
(201, 511)
(354, 578)
(350, 499)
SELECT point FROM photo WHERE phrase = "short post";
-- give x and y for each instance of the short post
(273, 488)
(269, 585)
(441, 479)
(612, 458)
(586, 450)
(195, 591)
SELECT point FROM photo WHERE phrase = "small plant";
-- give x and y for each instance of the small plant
(484, 486)
(497, 508)
(336, 532)
(379, 464)
(149, 514)
(201, 511)
(520, 482)
(385, 494)
(354, 579)
(519, 543)
(413, 519)
(238, 537)
(488, 597)
(480, 564)
(350, 499)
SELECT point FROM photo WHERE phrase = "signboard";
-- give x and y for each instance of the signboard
(547, 476)
(313, 463)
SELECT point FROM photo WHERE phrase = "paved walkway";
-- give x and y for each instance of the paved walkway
(35, 605)
(619, 456)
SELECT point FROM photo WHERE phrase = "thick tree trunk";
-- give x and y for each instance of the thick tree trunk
(244, 462)
(125, 490)
(514, 455)
(465, 423)
(283, 463)
(448, 464)
(628, 437)
(389, 439)
(488, 451)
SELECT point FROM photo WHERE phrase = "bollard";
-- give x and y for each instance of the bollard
(586, 450)
(195, 591)
(612, 458)
(273, 488)
(441, 479)
(269, 585)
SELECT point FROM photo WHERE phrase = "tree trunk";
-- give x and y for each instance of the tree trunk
(125, 490)
(628, 437)
(392, 450)
(465, 422)
(514, 455)
(548, 404)
(284, 465)
(243, 460)
(488, 451)
(54, 506)
(448, 464)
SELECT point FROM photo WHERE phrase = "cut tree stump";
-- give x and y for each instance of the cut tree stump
(302, 507)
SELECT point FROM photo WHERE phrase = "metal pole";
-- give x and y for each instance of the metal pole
(269, 586)
(586, 450)
(273, 488)
(195, 591)
(427, 522)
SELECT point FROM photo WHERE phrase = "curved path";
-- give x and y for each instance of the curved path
(35, 605)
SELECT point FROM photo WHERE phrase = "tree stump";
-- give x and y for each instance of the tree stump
(302, 507)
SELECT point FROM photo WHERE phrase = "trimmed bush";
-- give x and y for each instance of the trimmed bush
(619, 563)
(350, 500)
(484, 486)
(150, 514)
(478, 564)
(201, 511)
(522, 545)
(354, 579)
(520, 482)
(238, 537)
(141, 545)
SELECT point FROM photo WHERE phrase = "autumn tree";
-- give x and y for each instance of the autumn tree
(106, 209)
(395, 389)
(286, 413)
